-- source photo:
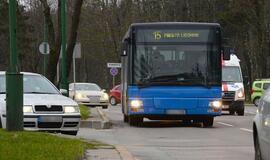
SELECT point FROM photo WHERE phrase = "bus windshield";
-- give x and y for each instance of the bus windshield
(231, 74)
(183, 64)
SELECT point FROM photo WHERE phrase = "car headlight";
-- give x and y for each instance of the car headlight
(71, 109)
(240, 94)
(217, 104)
(105, 96)
(80, 96)
(267, 122)
(27, 109)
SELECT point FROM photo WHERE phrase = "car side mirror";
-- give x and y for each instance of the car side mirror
(63, 91)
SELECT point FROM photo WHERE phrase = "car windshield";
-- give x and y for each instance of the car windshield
(32, 84)
(231, 74)
(85, 87)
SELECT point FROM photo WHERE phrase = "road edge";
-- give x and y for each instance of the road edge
(124, 153)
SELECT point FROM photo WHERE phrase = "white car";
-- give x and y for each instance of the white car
(45, 108)
(261, 128)
(88, 94)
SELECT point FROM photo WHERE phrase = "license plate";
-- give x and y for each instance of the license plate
(50, 119)
(176, 112)
(93, 99)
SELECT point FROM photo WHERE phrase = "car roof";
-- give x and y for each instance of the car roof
(25, 73)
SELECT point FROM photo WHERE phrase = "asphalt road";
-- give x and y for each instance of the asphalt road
(229, 139)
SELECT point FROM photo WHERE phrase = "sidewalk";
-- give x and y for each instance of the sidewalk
(99, 120)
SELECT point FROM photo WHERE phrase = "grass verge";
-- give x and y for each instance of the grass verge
(42, 146)
(85, 112)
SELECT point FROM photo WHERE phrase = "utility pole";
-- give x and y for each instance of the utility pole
(14, 80)
(45, 39)
(64, 81)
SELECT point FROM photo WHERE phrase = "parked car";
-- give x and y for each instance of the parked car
(258, 87)
(261, 128)
(115, 95)
(45, 108)
(89, 94)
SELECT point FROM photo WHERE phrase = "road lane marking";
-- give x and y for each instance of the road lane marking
(246, 130)
(250, 112)
(225, 124)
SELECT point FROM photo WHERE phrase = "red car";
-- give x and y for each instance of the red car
(115, 95)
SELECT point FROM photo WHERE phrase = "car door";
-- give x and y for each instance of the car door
(264, 109)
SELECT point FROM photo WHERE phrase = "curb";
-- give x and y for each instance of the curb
(124, 153)
(99, 122)
(105, 123)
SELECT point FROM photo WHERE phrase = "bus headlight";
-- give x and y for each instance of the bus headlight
(136, 105)
(217, 104)
(27, 109)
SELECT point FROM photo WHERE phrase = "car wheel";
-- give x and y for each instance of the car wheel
(0, 122)
(73, 133)
(135, 121)
(113, 101)
(256, 101)
(208, 122)
(258, 153)
(104, 107)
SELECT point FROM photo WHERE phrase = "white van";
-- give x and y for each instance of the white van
(233, 95)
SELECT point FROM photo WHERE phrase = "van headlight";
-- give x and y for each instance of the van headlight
(27, 109)
(240, 94)
(71, 109)
(217, 104)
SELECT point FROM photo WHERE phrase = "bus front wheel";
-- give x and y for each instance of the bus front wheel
(208, 122)
(135, 120)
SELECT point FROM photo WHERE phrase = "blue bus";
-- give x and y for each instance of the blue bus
(171, 71)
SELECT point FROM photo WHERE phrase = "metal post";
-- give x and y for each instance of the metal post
(64, 82)
(14, 80)
(74, 75)
(45, 39)
(113, 81)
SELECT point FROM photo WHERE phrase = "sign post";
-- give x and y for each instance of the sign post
(14, 80)
(114, 70)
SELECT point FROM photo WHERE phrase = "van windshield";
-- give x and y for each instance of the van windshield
(231, 74)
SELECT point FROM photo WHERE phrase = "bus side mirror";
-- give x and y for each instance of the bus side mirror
(124, 49)
(227, 53)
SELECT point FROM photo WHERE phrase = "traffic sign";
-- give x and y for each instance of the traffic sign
(44, 48)
(114, 65)
(114, 71)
